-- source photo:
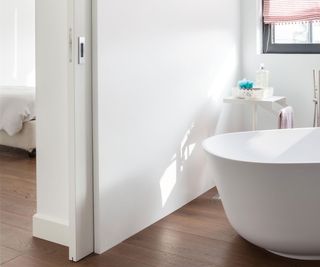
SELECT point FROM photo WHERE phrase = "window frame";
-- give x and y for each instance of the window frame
(268, 47)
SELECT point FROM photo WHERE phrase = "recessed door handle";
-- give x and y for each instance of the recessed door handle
(81, 50)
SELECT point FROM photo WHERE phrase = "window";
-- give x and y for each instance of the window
(291, 26)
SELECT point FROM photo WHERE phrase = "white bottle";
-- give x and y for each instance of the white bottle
(262, 77)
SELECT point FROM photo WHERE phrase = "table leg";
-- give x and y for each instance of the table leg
(254, 117)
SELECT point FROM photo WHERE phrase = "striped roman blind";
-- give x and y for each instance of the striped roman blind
(287, 11)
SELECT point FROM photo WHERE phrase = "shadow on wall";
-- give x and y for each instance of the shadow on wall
(159, 98)
(189, 161)
(186, 169)
(182, 172)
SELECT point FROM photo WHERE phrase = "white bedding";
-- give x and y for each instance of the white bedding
(17, 105)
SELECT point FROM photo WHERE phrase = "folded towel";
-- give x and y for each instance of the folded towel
(286, 118)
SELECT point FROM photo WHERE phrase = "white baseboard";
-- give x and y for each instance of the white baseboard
(50, 229)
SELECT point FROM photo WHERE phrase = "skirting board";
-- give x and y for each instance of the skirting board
(51, 230)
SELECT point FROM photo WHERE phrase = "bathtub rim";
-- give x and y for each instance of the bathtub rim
(205, 147)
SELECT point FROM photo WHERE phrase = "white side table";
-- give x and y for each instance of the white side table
(265, 103)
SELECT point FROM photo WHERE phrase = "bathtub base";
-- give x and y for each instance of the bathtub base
(269, 185)
(297, 257)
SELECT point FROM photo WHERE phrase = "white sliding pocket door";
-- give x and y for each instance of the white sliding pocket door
(80, 85)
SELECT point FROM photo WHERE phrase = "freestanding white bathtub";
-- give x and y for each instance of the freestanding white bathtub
(269, 183)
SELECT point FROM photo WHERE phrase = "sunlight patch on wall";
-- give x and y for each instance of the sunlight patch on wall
(173, 172)
(188, 151)
(168, 181)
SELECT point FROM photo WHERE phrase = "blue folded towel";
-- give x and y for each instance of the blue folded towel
(245, 84)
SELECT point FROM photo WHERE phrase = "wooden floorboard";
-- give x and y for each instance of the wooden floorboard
(197, 235)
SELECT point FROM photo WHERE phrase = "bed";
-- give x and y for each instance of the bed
(17, 118)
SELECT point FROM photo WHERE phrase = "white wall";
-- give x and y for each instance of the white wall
(290, 75)
(17, 45)
(51, 221)
(162, 68)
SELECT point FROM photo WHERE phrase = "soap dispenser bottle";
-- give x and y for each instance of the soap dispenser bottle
(262, 77)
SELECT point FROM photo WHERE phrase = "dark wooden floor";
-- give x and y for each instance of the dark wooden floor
(196, 235)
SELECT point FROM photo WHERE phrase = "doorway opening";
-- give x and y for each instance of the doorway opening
(45, 128)
(17, 126)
